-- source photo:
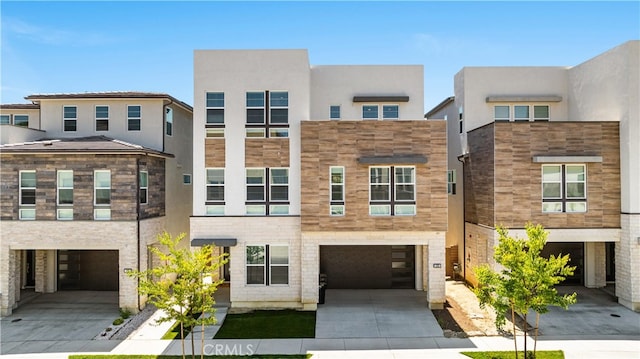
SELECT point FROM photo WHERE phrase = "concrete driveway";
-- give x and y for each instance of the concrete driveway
(63, 317)
(596, 314)
(376, 313)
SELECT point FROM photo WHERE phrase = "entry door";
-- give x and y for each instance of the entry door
(30, 269)
(225, 267)
(402, 267)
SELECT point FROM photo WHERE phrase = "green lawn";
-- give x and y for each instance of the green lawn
(267, 324)
(123, 356)
(544, 354)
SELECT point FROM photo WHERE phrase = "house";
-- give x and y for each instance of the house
(551, 145)
(302, 172)
(88, 181)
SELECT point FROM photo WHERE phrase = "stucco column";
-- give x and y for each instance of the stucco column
(435, 269)
(128, 291)
(310, 268)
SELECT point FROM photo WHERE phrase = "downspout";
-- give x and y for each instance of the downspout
(138, 225)
(464, 221)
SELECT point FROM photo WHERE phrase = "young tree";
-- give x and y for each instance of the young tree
(527, 281)
(183, 285)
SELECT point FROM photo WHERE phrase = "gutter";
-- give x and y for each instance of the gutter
(462, 159)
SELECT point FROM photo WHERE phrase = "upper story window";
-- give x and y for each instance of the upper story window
(267, 114)
(215, 191)
(65, 195)
(102, 194)
(102, 118)
(336, 206)
(392, 194)
(134, 117)
(215, 111)
(27, 209)
(18, 120)
(460, 120)
(564, 188)
(143, 185)
(521, 112)
(371, 112)
(168, 121)
(5, 119)
(267, 191)
(334, 112)
(69, 118)
(451, 182)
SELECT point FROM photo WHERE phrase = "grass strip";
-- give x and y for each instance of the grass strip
(268, 324)
(540, 354)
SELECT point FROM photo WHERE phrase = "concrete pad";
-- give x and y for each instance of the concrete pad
(279, 346)
(377, 313)
(461, 343)
(412, 343)
(366, 344)
(322, 344)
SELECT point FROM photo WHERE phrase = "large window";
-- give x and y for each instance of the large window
(65, 195)
(143, 187)
(267, 191)
(564, 188)
(267, 264)
(392, 191)
(102, 194)
(5, 119)
(214, 115)
(69, 118)
(102, 118)
(215, 191)
(21, 120)
(336, 206)
(267, 114)
(27, 195)
(371, 112)
(134, 118)
(521, 112)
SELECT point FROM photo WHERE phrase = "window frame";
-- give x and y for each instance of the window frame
(101, 207)
(64, 207)
(267, 265)
(263, 264)
(66, 119)
(15, 123)
(495, 115)
(393, 205)
(96, 118)
(451, 182)
(267, 206)
(214, 185)
(516, 118)
(214, 130)
(8, 117)
(541, 118)
(27, 207)
(267, 128)
(564, 200)
(134, 118)
(397, 111)
(377, 109)
(143, 187)
(168, 121)
(335, 110)
(337, 205)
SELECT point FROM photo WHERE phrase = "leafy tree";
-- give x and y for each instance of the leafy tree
(183, 285)
(526, 282)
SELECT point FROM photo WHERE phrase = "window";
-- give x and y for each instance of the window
(460, 120)
(336, 206)
(272, 120)
(186, 179)
(143, 186)
(102, 194)
(65, 195)
(70, 118)
(370, 112)
(334, 112)
(215, 191)
(133, 118)
(21, 120)
(392, 194)
(390, 112)
(102, 118)
(275, 271)
(168, 121)
(5, 119)
(215, 114)
(564, 188)
(501, 113)
(27, 195)
(521, 113)
(267, 191)
(451, 182)
(541, 113)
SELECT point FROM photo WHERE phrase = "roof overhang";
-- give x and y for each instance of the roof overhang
(567, 159)
(395, 159)
(220, 242)
(524, 98)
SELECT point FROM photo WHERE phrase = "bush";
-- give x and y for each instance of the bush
(125, 313)
(118, 321)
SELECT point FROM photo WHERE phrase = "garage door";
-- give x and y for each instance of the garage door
(368, 267)
(87, 270)
(576, 256)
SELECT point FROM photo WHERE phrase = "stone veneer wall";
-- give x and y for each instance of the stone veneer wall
(628, 262)
(266, 152)
(341, 143)
(124, 184)
(479, 196)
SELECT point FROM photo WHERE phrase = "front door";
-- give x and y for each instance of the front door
(30, 269)
(225, 267)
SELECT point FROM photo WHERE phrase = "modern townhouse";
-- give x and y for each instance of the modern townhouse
(303, 172)
(556, 146)
(88, 181)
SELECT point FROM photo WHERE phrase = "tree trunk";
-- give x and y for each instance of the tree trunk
(535, 340)
(202, 342)
(526, 330)
(193, 345)
(182, 339)
(513, 321)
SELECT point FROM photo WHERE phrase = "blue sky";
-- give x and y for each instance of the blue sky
(52, 47)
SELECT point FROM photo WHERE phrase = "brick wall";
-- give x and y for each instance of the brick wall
(341, 143)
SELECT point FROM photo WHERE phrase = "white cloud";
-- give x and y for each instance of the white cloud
(51, 36)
